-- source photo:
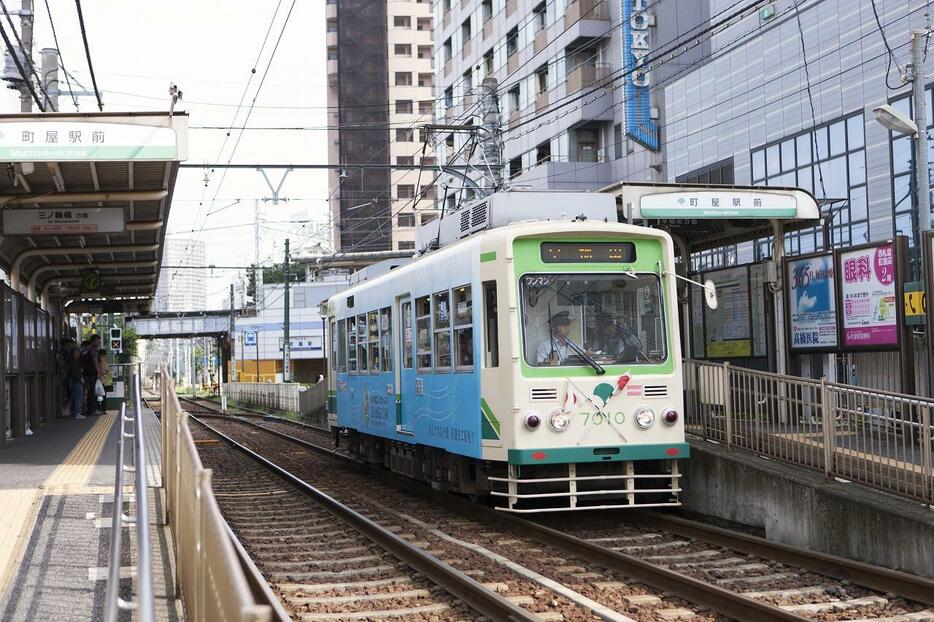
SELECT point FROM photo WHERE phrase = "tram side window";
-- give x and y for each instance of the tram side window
(373, 341)
(385, 339)
(340, 352)
(423, 333)
(405, 335)
(361, 345)
(442, 330)
(352, 345)
(490, 325)
(334, 345)
(463, 328)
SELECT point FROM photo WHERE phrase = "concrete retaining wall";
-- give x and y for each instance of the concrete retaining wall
(800, 507)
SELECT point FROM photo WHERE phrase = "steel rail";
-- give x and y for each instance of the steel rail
(693, 590)
(254, 412)
(473, 593)
(884, 580)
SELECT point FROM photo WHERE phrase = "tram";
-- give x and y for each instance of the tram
(532, 358)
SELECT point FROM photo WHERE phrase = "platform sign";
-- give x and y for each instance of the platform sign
(63, 221)
(869, 297)
(249, 338)
(705, 204)
(40, 140)
(810, 303)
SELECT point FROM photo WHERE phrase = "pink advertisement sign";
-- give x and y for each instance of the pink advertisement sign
(868, 297)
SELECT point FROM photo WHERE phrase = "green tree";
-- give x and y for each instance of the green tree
(130, 339)
(276, 274)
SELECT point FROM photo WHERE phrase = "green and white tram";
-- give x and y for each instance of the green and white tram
(530, 360)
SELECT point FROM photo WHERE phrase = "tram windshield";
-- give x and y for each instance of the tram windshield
(573, 320)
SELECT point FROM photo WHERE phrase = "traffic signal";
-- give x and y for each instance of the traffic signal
(116, 340)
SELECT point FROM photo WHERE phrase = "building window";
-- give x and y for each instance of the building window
(402, 49)
(512, 41)
(465, 31)
(404, 134)
(427, 192)
(719, 173)
(332, 52)
(425, 51)
(403, 106)
(447, 49)
(332, 25)
(405, 191)
(543, 153)
(423, 23)
(449, 97)
(427, 218)
(514, 99)
(486, 10)
(539, 19)
(515, 168)
(426, 79)
(402, 21)
(830, 162)
(425, 106)
(903, 186)
(488, 63)
(405, 245)
(403, 78)
(405, 160)
(405, 220)
(618, 141)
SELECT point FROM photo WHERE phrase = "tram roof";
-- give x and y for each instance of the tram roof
(707, 216)
(88, 193)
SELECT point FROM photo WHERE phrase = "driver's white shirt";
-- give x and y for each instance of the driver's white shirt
(561, 348)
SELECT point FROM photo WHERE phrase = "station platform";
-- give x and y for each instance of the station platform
(56, 491)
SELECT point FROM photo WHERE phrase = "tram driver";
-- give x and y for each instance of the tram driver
(555, 350)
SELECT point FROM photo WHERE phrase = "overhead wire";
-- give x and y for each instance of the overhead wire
(87, 53)
(19, 66)
(61, 59)
(27, 58)
(888, 49)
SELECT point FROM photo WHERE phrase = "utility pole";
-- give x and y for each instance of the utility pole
(286, 367)
(492, 147)
(232, 337)
(50, 77)
(922, 176)
(25, 24)
(257, 272)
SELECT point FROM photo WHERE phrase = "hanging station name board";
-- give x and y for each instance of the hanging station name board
(811, 304)
(637, 46)
(63, 221)
(56, 141)
(718, 204)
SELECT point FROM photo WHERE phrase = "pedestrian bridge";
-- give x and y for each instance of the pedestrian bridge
(181, 324)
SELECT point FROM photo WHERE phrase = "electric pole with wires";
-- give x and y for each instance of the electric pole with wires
(286, 364)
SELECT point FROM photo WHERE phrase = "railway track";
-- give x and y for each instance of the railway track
(607, 566)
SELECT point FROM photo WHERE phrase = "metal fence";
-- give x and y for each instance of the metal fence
(291, 397)
(878, 438)
(212, 582)
(145, 603)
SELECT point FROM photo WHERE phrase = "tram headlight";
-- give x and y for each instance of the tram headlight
(531, 421)
(559, 421)
(644, 417)
(670, 416)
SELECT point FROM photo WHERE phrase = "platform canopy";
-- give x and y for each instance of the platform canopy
(704, 216)
(85, 202)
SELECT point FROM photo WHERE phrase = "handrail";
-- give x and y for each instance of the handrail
(145, 602)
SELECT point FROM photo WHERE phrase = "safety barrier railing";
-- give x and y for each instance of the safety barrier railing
(212, 582)
(145, 602)
(878, 438)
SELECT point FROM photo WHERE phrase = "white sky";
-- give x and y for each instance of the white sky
(208, 49)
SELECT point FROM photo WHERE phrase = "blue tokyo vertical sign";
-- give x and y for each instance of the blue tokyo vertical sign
(636, 20)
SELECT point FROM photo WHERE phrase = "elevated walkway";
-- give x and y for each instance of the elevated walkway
(56, 491)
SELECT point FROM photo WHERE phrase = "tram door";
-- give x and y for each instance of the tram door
(405, 367)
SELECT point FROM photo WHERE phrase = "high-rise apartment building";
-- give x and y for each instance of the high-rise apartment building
(562, 88)
(380, 90)
(182, 289)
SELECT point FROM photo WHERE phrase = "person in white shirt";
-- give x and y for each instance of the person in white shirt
(555, 350)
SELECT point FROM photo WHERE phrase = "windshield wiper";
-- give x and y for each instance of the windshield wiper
(587, 358)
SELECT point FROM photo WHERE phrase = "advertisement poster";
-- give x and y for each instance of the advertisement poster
(812, 311)
(868, 297)
(728, 326)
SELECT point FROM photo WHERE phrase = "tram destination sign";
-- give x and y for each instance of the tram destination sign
(63, 221)
(704, 204)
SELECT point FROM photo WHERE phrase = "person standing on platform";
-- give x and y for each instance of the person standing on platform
(105, 376)
(75, 376)
(91, 366)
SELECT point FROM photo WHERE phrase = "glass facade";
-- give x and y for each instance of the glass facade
(902, 159)
(830, 162)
